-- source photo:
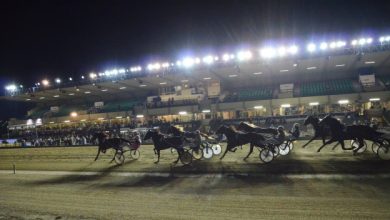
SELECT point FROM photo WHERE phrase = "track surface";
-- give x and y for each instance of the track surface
(107, 196)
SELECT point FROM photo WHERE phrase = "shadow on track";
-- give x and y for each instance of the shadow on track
(81, 178)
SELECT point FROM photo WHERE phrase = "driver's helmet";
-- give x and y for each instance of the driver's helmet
(280, 128)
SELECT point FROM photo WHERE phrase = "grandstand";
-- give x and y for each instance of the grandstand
(350, 77)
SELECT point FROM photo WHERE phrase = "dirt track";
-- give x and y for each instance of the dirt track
(105, 196)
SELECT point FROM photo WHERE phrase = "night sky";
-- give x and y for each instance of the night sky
(69, 38)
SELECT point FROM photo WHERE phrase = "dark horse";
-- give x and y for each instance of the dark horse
(161, 143)
(188, 137)
(236, 138)
(351, 132)
(319, 131)
(245, 126)
(106, 143)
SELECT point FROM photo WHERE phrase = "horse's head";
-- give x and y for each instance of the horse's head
(149, 134)
(242, 126)
(174, 130)
(221, 129)
(311, 120)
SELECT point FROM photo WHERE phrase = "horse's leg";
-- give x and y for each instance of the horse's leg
(158, 155)
(334, 147)
(113, 158)
(326, 143)
(98, 153)
(309, 142)
(361, 144)
(179, 153)
(341, 141)
(251, 146)
(226, 150)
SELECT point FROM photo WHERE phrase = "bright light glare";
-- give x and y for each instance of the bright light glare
(314, 103)
(268, 52)
(73, 114)
(244, 55)
(374, 99)
(311, 47)
(58, 80)
(208, 59)
(344, 101)
(285, 106)
(324, 46)
(188, 62)
(11, 88)
(154, 66)
(183, 113)
(293, 49)
(45, 82)
(258, 107)
(206, 111)
(92, 75)
(140, 116)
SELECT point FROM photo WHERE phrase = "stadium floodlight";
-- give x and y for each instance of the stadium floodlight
(354, 42)
(332, 45)
(226, 57)
(154, 66)
(281, 51)
(73, 114)
(114, 72)
(45, 82)
(178, 63)
(188, 62)
(293, 50)
(70, 79)
(244, 55)
(258, 107)
(118, 117)
(122, 71)
(387, 38)
(139, 116)
(208, 59)
(369, 40)
(285, 105)
(343, 101)
(362, 41)
(29, 122)
(182, 113)
(165, 65)
(314, 103)
(206, 111)
(197, 60)
(67, 121)
(58, 80)
(267, 52)
(381, 39)
(374, 99)
(216, 58)
(341, 44)
(38, 121)
(324, 46)
(92, 75)
(11, 88)
(82, 77)
(311, 47)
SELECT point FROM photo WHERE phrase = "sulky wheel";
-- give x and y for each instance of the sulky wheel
(197, 154)
(384, 152)
(275, 150)
(284, 149)
(217, 149)
(135, 154)
(291, 145)
(355, 145)
(374, 147)
(119, 158)
(173, 150)
(186, 157)
(207, 153)
(266, 155)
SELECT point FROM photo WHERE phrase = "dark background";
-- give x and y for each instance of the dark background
(62, 38)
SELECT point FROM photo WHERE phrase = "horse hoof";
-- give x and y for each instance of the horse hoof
(155, 162)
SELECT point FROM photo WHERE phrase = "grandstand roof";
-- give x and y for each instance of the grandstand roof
(237, 74)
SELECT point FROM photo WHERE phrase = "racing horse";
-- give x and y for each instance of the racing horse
(161, 142)
(341, 132)
(319, 131)
(106, 143)
(237, 138)
(247, 127)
